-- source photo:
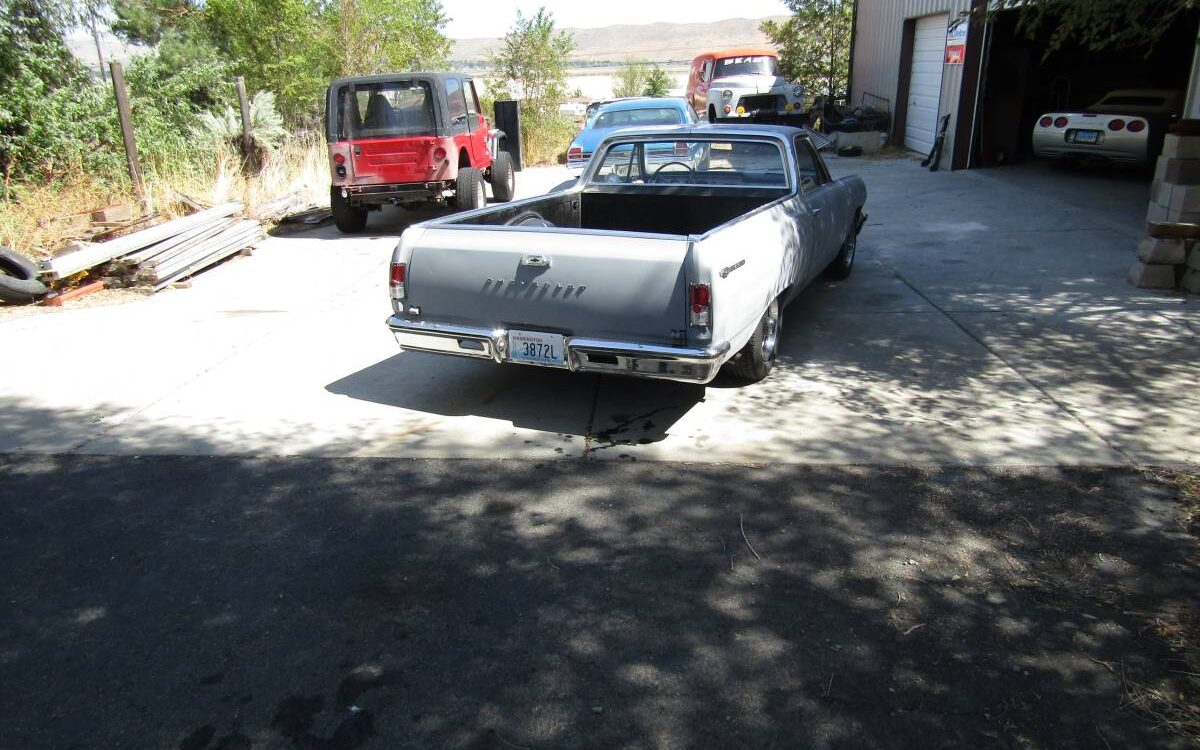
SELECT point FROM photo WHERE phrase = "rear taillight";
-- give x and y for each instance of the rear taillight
(339, 159)
(575, 152)
(1061, 122)
(1136, 126)
(439, 153)
(1116, 124)
(399, 273)
(700, 301)
(1046, 121)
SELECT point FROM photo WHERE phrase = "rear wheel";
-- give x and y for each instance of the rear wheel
(755, 360)
(843, 264)
(349, 219)
(504, 182)
(468, 193)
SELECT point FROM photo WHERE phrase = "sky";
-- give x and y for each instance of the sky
(473, 18)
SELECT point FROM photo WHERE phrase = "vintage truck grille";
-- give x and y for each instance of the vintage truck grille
(760, 103)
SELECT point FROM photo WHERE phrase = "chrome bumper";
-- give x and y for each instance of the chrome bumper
(583, 355)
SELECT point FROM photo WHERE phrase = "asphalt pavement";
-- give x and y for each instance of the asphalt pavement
(218, 602)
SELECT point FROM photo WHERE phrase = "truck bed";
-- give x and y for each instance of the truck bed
(666, 209)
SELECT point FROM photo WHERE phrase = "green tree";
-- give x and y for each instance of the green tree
(379, 36)
(278, 46)
(814, 44)
(658, 83)
(1111, 24)
(530, 65)
(630, 78)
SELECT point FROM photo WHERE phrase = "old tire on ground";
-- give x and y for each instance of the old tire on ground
(755, 360)
(468, 191)
(19, 278)
(504, 181)
(349, 219)
(841, 266)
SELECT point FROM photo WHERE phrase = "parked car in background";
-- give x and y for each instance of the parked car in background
(664, 271)
(1127, 126)
(409, 138)
(593, 107)
(742, 84)
(626, 113)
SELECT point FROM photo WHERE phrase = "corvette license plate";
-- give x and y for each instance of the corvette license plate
(1087, 136)
(537, 348)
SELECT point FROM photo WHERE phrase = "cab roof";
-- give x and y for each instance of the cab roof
(437, 76)
(721, 54)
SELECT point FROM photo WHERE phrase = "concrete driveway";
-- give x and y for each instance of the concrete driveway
(987, 322)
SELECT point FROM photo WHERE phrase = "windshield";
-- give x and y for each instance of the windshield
(633, 117)
(754, 65)
(392, 109)
(727, 163)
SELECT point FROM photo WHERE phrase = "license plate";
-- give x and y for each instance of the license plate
(1087, 136)
(537, 348)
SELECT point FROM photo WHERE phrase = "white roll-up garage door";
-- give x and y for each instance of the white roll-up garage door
(925, 85)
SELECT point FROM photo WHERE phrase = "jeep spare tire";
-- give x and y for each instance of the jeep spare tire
(504, 182)
(19, 278)
(468, 193)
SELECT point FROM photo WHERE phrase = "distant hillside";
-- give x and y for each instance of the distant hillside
(655, 42)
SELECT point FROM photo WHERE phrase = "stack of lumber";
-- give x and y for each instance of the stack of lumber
(166, 252)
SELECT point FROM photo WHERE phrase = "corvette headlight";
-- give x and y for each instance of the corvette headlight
(726, 95)
(797, 91)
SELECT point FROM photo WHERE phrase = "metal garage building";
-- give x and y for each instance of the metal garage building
(931, 58)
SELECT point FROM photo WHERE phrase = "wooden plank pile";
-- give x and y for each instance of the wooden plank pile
(166, 252)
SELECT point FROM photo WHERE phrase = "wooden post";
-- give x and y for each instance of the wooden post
(135, 167)
(248, 152)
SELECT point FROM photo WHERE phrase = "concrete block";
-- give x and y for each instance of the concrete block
(1191, 281)
(1150, 250)
(1181, 146)
(1147, 276)
(869, 141)
(1177, 171)
(111, 214)
(1176, 197)
(1160, 214)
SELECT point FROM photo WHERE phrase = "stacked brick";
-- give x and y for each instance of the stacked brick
(1169, 256)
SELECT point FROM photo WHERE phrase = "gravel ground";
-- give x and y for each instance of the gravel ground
(310, 603)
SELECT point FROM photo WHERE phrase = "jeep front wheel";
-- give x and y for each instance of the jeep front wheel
(349, 219)
(469, 193)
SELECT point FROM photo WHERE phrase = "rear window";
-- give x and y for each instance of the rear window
(753, 65)
(724, 163)
(391, 109)
(633, 117)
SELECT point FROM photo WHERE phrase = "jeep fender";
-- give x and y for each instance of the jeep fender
(494, 139)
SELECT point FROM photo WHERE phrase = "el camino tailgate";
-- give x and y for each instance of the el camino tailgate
(597, 285)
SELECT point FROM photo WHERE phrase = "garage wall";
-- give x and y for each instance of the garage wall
(876, 65)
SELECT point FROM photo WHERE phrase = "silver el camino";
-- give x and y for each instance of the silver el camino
(667, 270)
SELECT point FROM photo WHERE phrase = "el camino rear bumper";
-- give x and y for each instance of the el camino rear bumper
(583, 355)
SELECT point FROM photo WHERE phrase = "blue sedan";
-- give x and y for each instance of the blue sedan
(627, 114)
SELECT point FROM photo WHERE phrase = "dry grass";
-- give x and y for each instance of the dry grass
(43, 219)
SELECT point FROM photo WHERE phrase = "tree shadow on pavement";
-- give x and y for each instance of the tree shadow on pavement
(485, 604)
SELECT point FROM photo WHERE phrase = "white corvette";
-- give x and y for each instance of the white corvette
(1126, 126)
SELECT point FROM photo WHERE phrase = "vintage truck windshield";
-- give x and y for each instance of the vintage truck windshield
(753, 65)
(727, 163)
(391, 109)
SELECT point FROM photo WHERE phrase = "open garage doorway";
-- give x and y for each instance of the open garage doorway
(1020, 83)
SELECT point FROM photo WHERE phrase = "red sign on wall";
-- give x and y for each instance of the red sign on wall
(956, 42)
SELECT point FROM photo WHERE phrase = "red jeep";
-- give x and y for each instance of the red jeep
(410, 138)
